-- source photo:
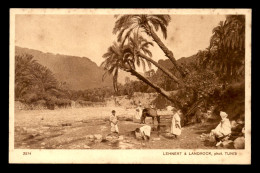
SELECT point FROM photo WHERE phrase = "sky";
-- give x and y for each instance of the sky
(91, 35)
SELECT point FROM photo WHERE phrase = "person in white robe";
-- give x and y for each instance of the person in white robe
(138, 113)
(143, 132)
(113, 122)
(176, 123)
(223, 130)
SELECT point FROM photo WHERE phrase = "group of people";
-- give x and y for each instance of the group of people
(222, 131)
(145, 131)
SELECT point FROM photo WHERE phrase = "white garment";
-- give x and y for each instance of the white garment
(138, 113)
(146, 130)
(113, 123)
(176, 124)
(223, 128)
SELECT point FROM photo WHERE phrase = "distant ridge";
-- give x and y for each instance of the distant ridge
(79, 73)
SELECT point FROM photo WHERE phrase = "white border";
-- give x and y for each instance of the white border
(130, 156)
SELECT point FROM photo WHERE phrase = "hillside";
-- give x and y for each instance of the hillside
(168, 64)
(79, 73)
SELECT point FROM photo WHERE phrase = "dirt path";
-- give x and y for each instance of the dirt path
(68, 132)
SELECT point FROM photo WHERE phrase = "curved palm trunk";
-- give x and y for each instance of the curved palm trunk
(167, 52)
(166, 71)
(148, 82)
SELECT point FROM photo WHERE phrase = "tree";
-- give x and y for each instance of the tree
(226, 53)
(34, 82)
(131, 23)
(121, 57)
(23, 65)
(139, 48)
(43, 78)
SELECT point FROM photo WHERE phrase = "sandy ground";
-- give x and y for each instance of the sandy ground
(72, 128)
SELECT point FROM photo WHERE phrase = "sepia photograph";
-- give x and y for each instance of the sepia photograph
(167, 86)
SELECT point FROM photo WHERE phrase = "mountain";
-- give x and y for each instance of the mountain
(79, 73)
(184, 60)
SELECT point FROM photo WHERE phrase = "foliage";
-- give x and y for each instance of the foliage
(34, 82)
(226, 52)
(129, 24)
(124, 57)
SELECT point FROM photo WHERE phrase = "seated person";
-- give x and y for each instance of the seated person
(223, 130)
(143, 132)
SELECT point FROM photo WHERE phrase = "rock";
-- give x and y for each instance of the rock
(228, 144)
(45, 128)
(156, 139)
(98, 136)
(233, 124)
(123, 145)
(239, 143)
(91, 137)
(243, 130)
(109, 138)
(17, 129)
(98, 140)
(35, 134)
(43, 143)
(31, 131)
(66, 124)
(121, 138)
(86, 147)
(211, 139)
(78, 146)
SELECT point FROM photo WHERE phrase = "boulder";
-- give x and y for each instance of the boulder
(228, 144)
(45, 127)
(120, 138)
(90, 137)
(233, 124)
(66, 124)
(123, 145)
(86, 147)
(109, 138)
(239, 143)
(156, 139)
(211, 139)
(98, 136)
(243, 130)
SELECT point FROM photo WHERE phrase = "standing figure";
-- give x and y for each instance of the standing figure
(223, 130)
(114, 122)
(176, 123)
(138, 113)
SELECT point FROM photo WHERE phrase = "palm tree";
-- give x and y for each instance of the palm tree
(43, 78)
(227, 47)
(120, 57)
(139, 46)
(23, 65)
(130, 23)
